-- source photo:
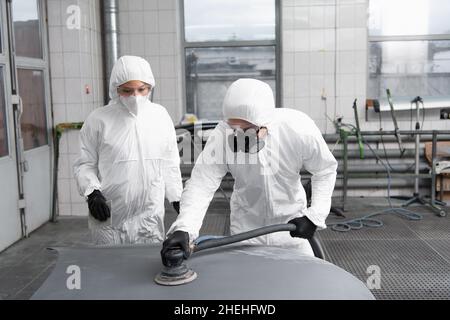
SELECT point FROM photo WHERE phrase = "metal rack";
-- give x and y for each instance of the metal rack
(432, 175)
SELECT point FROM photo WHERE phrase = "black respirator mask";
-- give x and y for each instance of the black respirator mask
(245, 141)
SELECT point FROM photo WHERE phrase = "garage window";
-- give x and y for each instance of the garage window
(225, 40)
(409, 48)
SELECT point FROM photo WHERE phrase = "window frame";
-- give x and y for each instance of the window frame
(2, 28)
(3, 67)
(39, 64)
(45, 106)
(40, 13)
(276, 43)
(4, 63)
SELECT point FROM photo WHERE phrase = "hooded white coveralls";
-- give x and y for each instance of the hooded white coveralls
(268, 190)
(131, 156)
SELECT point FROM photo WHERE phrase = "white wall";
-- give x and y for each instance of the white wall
(324, 58)
(325, 46)
(324, 66)
(75, 63)
(151, 29)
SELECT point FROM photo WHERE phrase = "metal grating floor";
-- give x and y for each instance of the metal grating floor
(412, 287)
(413, 256)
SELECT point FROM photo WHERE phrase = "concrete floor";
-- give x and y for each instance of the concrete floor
(413, 256)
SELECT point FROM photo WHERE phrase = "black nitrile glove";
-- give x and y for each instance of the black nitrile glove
(98, 207)
(176, 206)
(305, 228)
(177, 240)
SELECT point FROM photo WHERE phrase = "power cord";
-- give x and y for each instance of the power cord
(367, 220)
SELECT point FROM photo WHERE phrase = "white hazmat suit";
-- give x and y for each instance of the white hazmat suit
(129, 152)
(269, 190)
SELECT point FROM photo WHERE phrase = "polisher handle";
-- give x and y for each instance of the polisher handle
(174, 257)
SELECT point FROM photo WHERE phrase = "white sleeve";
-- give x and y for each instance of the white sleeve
(85, 167)
(319, 161)
(171, 167)
(205, 179)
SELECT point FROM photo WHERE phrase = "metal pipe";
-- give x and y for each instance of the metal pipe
(358, 174)
(345, 181)
(381, 175)
(433, 169)
(278, 53)
(378, 168)
(374, 184)
(374, 169)
(398, 136)
(390, 153)
(390, 139)
(404, 132)
(417, 148)
(17, 113)
(110, 40)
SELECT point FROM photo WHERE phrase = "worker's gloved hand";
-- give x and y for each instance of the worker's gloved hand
(176, 206)
(177, 240)
(98, 207)
(305, 228)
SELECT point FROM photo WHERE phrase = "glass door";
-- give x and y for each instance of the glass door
(10, 226)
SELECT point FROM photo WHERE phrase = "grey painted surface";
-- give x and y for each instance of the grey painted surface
(234, 272)
(414, 256)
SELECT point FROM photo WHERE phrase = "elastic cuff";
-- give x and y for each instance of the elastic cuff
(173, 194)
(174, 199)
(89, 190)
(320, 224)
(192, 235)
